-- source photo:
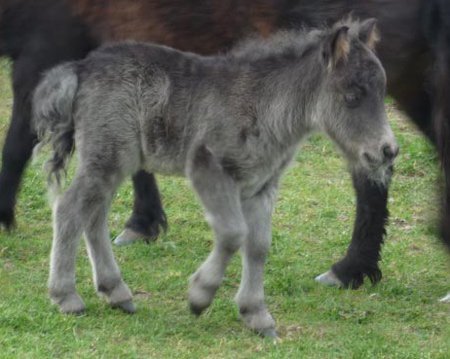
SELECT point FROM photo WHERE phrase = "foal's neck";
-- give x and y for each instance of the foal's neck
(287, 96)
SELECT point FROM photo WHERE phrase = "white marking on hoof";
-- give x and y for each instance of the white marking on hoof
(445, 299)
(329, 279)
(129, 236)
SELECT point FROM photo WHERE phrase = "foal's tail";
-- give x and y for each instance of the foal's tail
(52, 116)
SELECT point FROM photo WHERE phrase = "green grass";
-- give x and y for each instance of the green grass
(399, 318)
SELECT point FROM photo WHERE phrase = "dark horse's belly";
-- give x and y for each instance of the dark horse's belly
(209, 27)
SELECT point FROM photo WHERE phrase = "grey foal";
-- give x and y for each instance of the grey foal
(231, 124)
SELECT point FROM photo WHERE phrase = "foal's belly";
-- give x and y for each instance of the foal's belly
(160, 156)
(165, 163)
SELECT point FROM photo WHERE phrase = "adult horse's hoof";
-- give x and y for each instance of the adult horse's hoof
(329, 279)
(143, 228)
(129, 236)
(127, 306)
(445, 299)
(267, 333)
(6, 218)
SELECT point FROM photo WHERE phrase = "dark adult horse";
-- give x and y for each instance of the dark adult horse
(39, 34)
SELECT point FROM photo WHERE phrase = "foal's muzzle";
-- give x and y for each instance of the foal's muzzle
(384, 156)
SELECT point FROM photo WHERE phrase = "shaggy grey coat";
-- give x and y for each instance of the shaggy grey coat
(231, 124)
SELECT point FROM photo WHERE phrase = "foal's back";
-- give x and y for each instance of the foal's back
(125, 90)
(160, 99)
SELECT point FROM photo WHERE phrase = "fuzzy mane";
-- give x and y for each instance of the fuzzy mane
(296, 42)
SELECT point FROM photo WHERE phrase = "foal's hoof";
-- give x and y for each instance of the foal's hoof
(201, 293)
(127, 306)
(267, 333)
(329, 279)
(196, 309)
(72, 305)
(129, 236)
(445, 299)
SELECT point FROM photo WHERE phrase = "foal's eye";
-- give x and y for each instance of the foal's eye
(352, 99)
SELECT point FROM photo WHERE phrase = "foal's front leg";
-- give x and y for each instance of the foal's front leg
(221, 199)
(250, 298)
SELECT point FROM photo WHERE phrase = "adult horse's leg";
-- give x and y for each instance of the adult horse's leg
(148, 214)
(363, 254)
(19, 139)
(445, 220)
(415, 100)
(439, 35)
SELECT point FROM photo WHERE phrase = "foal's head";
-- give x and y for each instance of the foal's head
(351, 103)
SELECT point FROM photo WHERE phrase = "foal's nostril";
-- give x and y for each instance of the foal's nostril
(390, 152)
(369, 158)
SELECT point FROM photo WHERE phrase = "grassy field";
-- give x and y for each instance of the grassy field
(399, 318)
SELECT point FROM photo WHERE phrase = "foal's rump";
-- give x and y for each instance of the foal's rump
(109, 99)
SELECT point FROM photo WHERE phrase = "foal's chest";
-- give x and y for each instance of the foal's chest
(267, 174)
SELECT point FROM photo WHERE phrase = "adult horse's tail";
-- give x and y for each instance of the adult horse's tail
(52, 115)
(438, 32)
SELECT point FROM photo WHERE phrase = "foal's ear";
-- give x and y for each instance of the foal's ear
(368, 33)
(336, 47)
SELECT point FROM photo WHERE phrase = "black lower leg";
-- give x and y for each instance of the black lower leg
(16, 153)
(148, 215)
(363, 253)
(445, 219)
(48, 50)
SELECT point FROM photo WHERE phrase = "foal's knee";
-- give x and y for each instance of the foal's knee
(231, 235)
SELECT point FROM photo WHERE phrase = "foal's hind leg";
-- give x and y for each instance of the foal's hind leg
(85, 206)
(220, 197)
(67, 223)
(250, 298)
(107, 278)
